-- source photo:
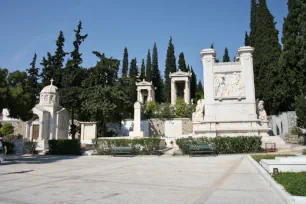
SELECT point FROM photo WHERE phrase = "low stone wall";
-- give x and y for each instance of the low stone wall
(156, 127)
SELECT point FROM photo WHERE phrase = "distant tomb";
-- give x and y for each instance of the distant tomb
(145, 91)
(180, 86)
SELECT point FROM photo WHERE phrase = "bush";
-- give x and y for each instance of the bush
(296, 131)
(9, 146)
(29, 147)
(144, 146)
(270, 156)
(151, 109)
(182, 110)
(7, 129)
(66, 147)
(224, 145)
(304, 152)
(294, 183)
(300, 109)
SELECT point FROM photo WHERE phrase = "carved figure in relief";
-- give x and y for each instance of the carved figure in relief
(198, 115)
(229, 85)
(262, 115)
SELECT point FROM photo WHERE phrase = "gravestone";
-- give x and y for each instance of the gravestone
(137, 122)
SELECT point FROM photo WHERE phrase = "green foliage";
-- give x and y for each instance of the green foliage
(193, 84)
(144, 146)
(200, 92)
(226, 57)
(246, 39)
(267, 75)
(259, 157)
(294, 183)
(296, 131)
(149, 67)
(182, 110)
(224, 145)
(181, 63)
(156, 78)
(300, 108)
(151, 110)
(9, 147)
(142, 70)
(29, 147)
(7, 129)
(304, 152)
(170, 67)
(125, 63)
(133, 69)
(65, 147)
(32, 85)
(3, 88)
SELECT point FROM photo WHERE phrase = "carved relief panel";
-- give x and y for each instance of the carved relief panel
(229, 85)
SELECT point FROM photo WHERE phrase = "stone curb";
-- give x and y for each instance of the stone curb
(286, 197)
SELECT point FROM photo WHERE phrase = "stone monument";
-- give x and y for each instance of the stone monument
(50, 120)
(229, 92)
(145, 91)
(180, 86)
(137, 122)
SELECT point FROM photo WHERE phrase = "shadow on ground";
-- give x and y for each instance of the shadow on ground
(36, 159)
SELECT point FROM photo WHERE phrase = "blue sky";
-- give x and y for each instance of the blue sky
(33, 26)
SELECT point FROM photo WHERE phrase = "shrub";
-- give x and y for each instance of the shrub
(300, 108)
(294, 183)
(29, 147)
(304, 152)
(9, 146)
(270, 156)
(151, 110)
(182, 110)
(7, 129)
(224, 145)
(296, 131)
(144, 146)
(66, 147)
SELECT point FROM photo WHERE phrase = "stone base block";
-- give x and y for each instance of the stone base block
(285, 164)
(136, 134)
(229, 128)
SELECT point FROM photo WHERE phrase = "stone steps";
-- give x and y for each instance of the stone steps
(280, 143)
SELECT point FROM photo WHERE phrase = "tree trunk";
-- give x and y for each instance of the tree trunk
(73, 127)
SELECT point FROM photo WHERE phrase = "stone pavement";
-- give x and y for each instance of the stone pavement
(227, 179)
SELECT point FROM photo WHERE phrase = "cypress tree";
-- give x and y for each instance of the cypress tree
(156, 78)
(182, 63)
(73, 75)
(125, 63)
(264, 38)
(253, 22)
(193, 85)
(149, 67)
(246, 39)
(170, 67)
(32, 82)
(133, 69)
(142, 70)
(58, 59)
(200, 91)
(226, 57)
(48, 71)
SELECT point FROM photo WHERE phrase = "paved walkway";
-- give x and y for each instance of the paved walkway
(143, 179)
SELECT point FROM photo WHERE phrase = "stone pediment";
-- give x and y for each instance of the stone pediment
(144, 83)
(180, 73)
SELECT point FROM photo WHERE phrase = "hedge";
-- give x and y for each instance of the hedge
(143, 146)
(67, 147)
(224, 145)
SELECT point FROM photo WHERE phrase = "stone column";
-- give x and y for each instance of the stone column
(149, 94)
(138, 95)
(137, 122)
(208, 60)
(173, 92)
(246, 60)
(187, 92)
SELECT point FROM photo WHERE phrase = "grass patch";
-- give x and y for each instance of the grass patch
(270, 156)
(294, 183)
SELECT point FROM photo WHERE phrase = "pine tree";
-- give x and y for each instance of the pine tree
(125, 63)
(58, 59)
(182, 63)
(226, 57)
(264, 38)
(246, 39)
(193, 85)
(170, 67)
(133, 69)
(32, 81)
(143, 70)
(73, 75)
(156, 78)
(149, 67)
